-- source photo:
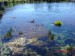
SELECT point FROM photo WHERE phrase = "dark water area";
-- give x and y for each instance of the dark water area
(18, 16)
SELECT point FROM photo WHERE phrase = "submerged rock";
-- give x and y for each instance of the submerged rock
(18, 45)
(4, 50)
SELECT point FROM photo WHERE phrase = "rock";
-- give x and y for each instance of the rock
(4, 50)
(19, 44)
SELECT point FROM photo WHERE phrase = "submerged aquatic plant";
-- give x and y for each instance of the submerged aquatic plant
(58, 23)
(20, 33)
(9, 33)
(50, 35)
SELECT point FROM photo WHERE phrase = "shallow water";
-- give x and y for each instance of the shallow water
(18, 17)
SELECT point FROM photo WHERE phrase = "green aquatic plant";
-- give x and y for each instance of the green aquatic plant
(58, 23)
(20, 33)
(50, 35)
(9, 33)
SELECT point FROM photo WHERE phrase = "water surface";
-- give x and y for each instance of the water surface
(18, 17)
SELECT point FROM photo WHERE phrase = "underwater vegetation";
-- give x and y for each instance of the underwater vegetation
(9, 33)
(50, 35)
(36, 47)
(20, 33)
(58, 23)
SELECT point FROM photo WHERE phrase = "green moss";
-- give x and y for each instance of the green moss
(9, 33)
(58, 23)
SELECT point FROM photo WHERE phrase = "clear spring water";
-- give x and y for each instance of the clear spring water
(43, 13)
